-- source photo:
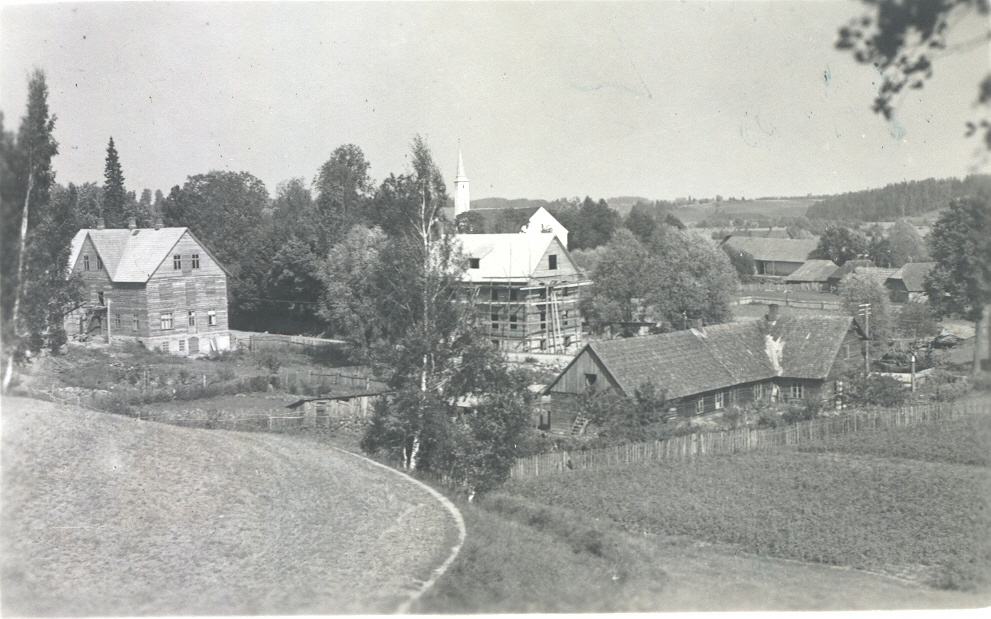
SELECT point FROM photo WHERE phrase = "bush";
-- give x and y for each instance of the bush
(876, 391)
(802, 411)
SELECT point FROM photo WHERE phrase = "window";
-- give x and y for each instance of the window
(589, 378)
(86, 262)
(177, 262)
(567, 341)
(165, 347)
(99, 296)
(495, 321)
(196, 261)
(182, 345)
(192, 318)
(118, 323)
(99, 263)
(543, 320)
(166, 321)
(495, 294)
(137, 323)
(474, 263)
(514, 294)
(758, 392)
(552, 262)
(512, 321)
(211, 318)
(797, 391)
(700, 406)
(720, 400)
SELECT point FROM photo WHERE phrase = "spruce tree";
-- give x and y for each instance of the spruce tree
(115, 201)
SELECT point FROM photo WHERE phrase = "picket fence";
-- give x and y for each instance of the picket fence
(691, 446)
(756, 299)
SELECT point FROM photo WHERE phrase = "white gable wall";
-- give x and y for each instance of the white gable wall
(542, 222)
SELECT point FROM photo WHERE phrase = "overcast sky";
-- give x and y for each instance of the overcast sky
(548, 100)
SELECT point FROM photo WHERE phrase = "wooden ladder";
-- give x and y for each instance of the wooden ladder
(581, 421)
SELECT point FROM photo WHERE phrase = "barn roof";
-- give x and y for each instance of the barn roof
(772, 249)
(507, 256)
(131, 256)
(685, 363)
(913, 275)
(813, 271)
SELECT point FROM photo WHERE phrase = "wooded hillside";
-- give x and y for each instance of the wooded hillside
(897, 200)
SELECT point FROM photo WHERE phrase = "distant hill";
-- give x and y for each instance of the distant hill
(484, 203)
(898, 200)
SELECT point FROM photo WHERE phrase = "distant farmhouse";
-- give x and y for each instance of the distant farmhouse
(527, 289)
(814, 274)
(774, 256)
(776, 358)
(158, 286)
(907, 283)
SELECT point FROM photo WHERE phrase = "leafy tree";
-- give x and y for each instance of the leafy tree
(674, 222)
(470, 222)
(901, 38)
(350, 280)
(874, 390)
(840, 244)
(455, 410)
(41, 289)
(620, 287)
(916, 320)
(688, 279)
(294, 214)
(146, 212)
(292, 289)
(343, 189)
(641, 222)
(858, 289)
(411, 203)
(743, 262)
(879, 250)
(588, 259)
(224, 211)
(115, 203)
(960, 282)
(907, 245)
(595, 226)
(626, 420)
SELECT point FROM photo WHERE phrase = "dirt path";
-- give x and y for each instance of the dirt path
(102, 515)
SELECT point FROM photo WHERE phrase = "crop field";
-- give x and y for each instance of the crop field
(107, 516)
(878, 503)
(750, 209)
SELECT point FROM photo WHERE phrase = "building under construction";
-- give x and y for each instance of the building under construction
(527, 290)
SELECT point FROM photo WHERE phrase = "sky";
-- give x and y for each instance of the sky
(546, 100)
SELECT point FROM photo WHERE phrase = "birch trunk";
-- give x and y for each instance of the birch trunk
(8, 374)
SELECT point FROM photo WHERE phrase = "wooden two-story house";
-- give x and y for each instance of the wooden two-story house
(158, 286)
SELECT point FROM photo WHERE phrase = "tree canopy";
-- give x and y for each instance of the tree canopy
(840, 244)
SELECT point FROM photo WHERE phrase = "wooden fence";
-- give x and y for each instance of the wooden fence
(308, 382)
(733, 441)
(757, 299)
(769, 286)
(274, 341)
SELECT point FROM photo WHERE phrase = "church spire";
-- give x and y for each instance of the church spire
(462, 201)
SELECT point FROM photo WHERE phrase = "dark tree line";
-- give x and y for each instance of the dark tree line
(897, 200)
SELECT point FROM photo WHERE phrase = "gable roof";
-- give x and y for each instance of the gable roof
(507, 256)
(685, 363)
(813, 271)
(132, 256)
(772, 249)
(913, 275)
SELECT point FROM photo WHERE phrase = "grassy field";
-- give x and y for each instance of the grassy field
(881, 502)
(103, 515)
(750, 209)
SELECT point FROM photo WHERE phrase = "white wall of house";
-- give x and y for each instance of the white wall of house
(542, 222)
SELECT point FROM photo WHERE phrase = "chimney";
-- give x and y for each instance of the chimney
(772, 313)
(132, 223)
(100, 224)
(158, 223)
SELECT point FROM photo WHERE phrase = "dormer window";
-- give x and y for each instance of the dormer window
(474, 263)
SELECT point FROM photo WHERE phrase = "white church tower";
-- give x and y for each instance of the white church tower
(461, 200)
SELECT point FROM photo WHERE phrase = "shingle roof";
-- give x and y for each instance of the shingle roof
(774, 250)
(913, 275)
(685, 363)
(505, 256)
(130, 256)
(813, 271)
(880, 274)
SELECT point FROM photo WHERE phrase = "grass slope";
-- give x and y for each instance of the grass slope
(907, 516)
(103, 515)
